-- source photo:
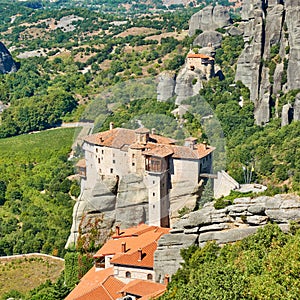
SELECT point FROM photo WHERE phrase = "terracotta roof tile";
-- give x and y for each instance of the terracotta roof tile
(159, 151)
(133, 243)
(120, 137)
(143, 288)
(113, 286)
(193, 55)
(132, 258)
(90, 281)
(81, 163)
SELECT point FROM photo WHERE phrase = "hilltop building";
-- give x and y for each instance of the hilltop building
(166, 168)
(201, 62)
(123, 267)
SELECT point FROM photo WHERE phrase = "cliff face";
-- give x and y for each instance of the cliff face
(270, 59)
(209, 18)
(227, 225)
(7, 64)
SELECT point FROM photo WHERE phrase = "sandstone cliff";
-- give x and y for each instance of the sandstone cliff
(270, 59)
(226, 225)
(209, 18)
(7, 64)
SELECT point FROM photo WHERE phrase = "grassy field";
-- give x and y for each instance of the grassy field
(25, 273)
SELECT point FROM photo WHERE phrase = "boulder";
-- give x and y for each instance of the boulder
(210, 37)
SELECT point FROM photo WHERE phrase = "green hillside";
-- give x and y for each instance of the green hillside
(35, 205)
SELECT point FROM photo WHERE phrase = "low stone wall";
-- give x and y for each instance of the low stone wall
(227, 225)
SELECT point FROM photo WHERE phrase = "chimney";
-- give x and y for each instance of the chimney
(205, 144)
(140, 254)
(167, 279)
(117, 230)
(111, 125)
(123, 247)
(190, 142)
(153, 131)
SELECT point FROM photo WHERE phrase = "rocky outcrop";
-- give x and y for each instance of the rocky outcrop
(188, 84)
(297, 108)
(7, 64)
(209, 18)
(166, 86)
(210, 37)
(227, 225)
(271, 31)
(287, 114)
(124, 202)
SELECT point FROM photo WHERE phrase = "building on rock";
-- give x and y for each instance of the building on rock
(147, 178)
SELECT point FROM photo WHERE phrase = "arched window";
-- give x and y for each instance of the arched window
(149, 277)
(128, 274)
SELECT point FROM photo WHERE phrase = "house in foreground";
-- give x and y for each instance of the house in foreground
(123, 268)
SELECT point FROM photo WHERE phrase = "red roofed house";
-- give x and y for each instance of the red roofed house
(201, 62)
(162, 164)
(123, 267)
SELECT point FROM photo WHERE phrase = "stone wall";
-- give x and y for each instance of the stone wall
(227, 225)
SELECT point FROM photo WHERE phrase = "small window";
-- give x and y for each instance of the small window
(114, 161)
(133, 164)
(149, 277)
(153, 194)
(113, 155)
(111, 171)
(128, 274)
(153, 206)
(99, 160)
(102, 151)
(153, 181)
(97, 150)
(133, 155)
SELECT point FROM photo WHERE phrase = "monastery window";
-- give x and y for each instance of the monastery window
(153, 194)
(114, 161)
(128, 274)
(97, 150)
(99, 160)
(133, 164)
(149, 277)
(102, 151)
(111, 171)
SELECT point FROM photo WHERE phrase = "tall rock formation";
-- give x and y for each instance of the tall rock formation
(271, 56)
(7, 64)
(209, 18)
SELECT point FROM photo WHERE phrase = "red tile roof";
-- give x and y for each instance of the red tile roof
(81, 163)
(142, 237)
(102, 284)
(192, 55)
(144, 289)
(132, 258)
(96, 285)
(159, 146)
